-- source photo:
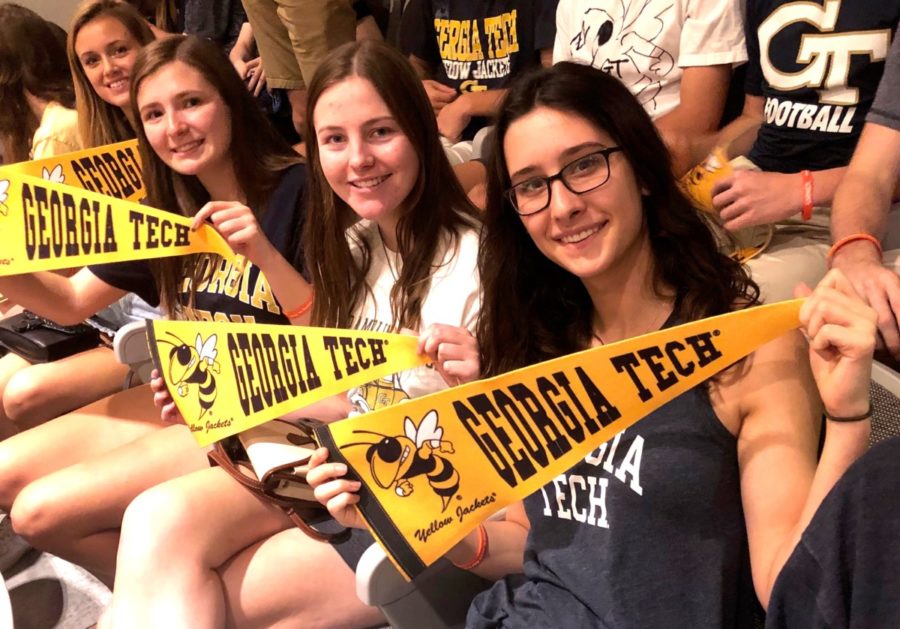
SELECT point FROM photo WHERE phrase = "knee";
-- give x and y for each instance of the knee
(13, 474)
(156, 528)
(23, 394)
(34, 516)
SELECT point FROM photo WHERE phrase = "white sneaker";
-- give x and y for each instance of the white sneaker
(12, 546)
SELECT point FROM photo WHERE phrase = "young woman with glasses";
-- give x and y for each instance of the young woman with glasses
(687, 517)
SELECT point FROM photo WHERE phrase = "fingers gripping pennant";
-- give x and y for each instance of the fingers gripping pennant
(228, 377)
(433, 468)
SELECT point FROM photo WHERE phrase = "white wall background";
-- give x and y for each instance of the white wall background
(60, 11)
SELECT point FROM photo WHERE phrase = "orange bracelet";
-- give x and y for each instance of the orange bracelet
(302, 309)
(846, 240)
(807, 208)
(480, 554)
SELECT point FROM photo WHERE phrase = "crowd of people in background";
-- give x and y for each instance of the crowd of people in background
(509, 181)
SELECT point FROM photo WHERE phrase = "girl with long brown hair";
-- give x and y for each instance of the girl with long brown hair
(194, 121)
(391, 245)
(686, 518)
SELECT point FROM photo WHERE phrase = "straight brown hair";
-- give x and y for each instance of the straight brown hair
(437, 207)
(33, 58)
(259, 154)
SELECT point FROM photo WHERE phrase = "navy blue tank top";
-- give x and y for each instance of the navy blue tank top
(647, 531)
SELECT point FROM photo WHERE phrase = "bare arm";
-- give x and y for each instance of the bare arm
(701, 100)
(506, 545)
(454, 117)
(781, 485)
(334, 408)
(546, 57)
(243, 47)
(747, 197)
(861, 205)
(238, 225)
(863, 199)
(66, 300)
(689, 149)
(288, 286)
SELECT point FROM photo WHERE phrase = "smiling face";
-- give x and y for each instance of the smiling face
(186, 121)
(367, 159)
(593, 234)
(107, 50)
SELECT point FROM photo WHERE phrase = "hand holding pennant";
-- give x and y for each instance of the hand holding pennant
(227, 377)
(433, 468)
(46, 226)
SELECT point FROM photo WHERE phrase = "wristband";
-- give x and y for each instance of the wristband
(302, 309)
(807, 207)
(851, 418)
(480, 554)
(846, 240)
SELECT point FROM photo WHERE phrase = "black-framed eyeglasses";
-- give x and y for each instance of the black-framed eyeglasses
(582, 175)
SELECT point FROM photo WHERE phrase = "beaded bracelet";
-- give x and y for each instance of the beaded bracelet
(846, 240)
(480, 554)
(851, 418)
(807, 208)
(302, 309)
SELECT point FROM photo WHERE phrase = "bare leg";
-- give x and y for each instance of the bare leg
(175, 535)
(38, 393)
(297, 98)
(88, 432)
(10, 365)
(76, 512)
(322, 590)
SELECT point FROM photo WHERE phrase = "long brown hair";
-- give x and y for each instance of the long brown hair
(258, 153)
(99, 122)
(534, 310)
(33, 58)
(437, 207)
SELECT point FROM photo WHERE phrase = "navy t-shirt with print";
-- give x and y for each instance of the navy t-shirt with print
(817, 65)
(645, 531)
(476, 45)
(228, 295)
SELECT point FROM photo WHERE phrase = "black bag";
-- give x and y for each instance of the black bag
(39, 340)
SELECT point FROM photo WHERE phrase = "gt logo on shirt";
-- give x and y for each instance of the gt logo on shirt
(826, 55)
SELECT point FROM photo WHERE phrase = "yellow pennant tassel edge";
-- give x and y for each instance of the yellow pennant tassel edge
(113, 170)
(46, 226)
(434, 467)
(228, 377)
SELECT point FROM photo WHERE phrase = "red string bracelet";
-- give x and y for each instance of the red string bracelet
(302, 309)
(807, 208)
(480, 554)
(846, 240)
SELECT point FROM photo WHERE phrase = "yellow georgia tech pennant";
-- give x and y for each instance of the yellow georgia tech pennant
(46, 226)
(228, 377)
(113, 170)
(434, 467)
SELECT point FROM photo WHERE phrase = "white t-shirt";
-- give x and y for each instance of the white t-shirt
(454, 298)
(647, 43)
